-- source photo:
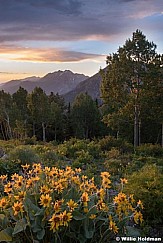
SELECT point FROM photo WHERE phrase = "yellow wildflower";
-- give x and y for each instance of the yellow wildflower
(57, 205)
(131, 198)
(55, 222)
(20, 196)
(113, 227)
(18, 183)
(85, 197)
(139, 203)
(105, 174)
(102, 206)
(14, 177)
(72, 205)
(45, 200)
(3, 177)
(138, 217)
(106, 183)
(29, 183)
(25, 167)
(17, 208)
(3, 202)
(92, 216)
(123, 181)
(101, 193)
(8, 187)
(66, 217)
(45, 190)
(77, 170)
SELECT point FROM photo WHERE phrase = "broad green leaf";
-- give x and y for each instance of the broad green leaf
(78, 216)
(88, 228)
(20, 226)
(40, 212)
(2, 216)
(81, 238)
(40, 234)
(132, 231)
(5, 236)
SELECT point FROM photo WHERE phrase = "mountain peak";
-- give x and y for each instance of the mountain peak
(59, 82)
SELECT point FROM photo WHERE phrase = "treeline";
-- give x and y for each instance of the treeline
(132, 109)
(46, 117)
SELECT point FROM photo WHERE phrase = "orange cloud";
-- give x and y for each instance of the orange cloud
(17, 53)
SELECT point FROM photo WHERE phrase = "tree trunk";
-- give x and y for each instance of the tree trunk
(162, 134)
(43, 132)
(3, 135)
(9, 127)
(34, 131)
(136, 127)
(55, 135)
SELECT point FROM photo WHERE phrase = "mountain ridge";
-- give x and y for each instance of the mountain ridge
(58, 82)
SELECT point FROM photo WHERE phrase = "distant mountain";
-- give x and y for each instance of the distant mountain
(90, 86)
(58, 82)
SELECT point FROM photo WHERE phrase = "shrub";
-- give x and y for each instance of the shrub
(109, 142)
(147, 185)
(116, 162)
(72, 148)
(30, 141)
(150, 150)
(54, 205)
(25, 154)
(9, 167)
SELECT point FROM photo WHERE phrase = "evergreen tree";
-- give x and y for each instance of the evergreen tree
(85, 117)
(38, 105)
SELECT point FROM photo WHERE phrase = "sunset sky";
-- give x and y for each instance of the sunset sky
(42, 36)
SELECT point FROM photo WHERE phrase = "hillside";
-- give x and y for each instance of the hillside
(90, 86)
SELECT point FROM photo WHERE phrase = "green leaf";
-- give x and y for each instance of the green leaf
(93, 210)
(40, 212)
(2, 216)
(88, 228)
(132, 231)
(5, 235)
(40, 234)
(101, 218)
(20, 226)
(81, 238)
(78, 216)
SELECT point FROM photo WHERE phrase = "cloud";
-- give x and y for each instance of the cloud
(71, 19)
(12, 52)
(8, 73)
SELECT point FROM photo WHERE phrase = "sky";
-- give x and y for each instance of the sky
(42, 36)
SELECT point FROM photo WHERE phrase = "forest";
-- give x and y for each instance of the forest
(131, 105)
(88, 171)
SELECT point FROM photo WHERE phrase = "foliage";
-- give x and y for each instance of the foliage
(117, 163)
(9, 166)
(132, 89)
(25, 154)
(50, 204)
(30, 141)
(147, 185)
(73, 147)
(108, 142)
(85, 117)
(150, 150)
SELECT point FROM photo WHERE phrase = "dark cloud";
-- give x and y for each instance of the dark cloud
(59, 20)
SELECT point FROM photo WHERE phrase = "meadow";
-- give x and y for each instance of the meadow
(80, 190)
